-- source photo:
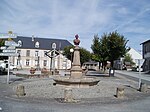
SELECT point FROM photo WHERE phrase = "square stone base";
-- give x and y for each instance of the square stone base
(76, 74)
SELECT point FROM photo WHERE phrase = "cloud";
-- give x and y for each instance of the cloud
(64, 19)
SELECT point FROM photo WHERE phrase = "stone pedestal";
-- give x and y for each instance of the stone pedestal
(143, 87)
(68, 95)
(120, 92)
(76, 71)
(20, 90)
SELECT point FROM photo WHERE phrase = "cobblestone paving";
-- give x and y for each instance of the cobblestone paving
(44, 88)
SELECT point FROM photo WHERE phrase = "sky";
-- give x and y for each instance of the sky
(63, 19)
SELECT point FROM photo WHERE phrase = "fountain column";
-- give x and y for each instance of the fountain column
(76, 71)
(76, 79)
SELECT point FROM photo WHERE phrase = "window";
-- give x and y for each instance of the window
(37, 44)
(18, 51)
(146, 50)
(45, 63)
(28, 53)
(27, 62)
(20, 43)
(36, 62)
(44, 53)
(36, 53)
(18, 62)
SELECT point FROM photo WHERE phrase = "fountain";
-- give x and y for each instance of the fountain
(76, 79)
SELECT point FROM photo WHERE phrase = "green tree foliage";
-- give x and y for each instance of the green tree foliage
(116, 46)
(84, 54)
(2, 42)
(96, 48)
(128, 58)
(97, 51)
(109, 47)
(67, 52)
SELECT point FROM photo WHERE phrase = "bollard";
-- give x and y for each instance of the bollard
(68, 95)
(20, 90)
(143, 87)
(120, 92)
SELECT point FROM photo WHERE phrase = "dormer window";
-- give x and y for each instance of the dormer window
(20, 43)
(37, 44)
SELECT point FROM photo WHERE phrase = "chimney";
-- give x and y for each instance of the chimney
(32, 38)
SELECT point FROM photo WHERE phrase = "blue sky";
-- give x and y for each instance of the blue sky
(63, 19)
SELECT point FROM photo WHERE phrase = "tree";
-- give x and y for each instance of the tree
(2, 42)
(109, 47)
(96, 48)
(84, 54)
(128, 58)
(67, 53)
(116, 46)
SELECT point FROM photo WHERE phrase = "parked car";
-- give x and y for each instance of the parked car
(13, 67)
(136, 69)
(4, 66)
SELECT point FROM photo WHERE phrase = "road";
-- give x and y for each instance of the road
(145, 78)
(15, 105)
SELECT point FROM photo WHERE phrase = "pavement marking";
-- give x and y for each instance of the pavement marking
(1, 108)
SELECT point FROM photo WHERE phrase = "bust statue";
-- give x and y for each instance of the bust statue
(76, 41)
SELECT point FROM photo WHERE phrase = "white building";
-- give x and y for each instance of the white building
(135, 55)
(118, 64)
(32, 53)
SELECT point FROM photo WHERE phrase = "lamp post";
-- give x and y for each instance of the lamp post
(140, 63)
(19, 58)
(38, 62)
(66, 64)
(54, 48)
(71, 51)
(37, 57)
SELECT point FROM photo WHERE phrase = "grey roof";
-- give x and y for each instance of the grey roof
(44, 43)
(146, 42)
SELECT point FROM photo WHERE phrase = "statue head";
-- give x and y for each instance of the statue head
(76, 41)
(76, 36)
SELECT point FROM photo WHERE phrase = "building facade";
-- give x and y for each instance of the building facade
(121, 64)
(146, 55)
(40, 53)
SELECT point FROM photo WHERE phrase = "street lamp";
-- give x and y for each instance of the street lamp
(19, 58)
(37, 45)
(54, 48)
(71, 51)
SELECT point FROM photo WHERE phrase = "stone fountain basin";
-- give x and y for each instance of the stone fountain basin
(83, 82)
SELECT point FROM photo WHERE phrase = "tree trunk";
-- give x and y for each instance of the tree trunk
(112, 63)
(99, 65)
(104, 63)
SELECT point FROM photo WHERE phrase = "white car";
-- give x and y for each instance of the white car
(13, 67)
(4, 67)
